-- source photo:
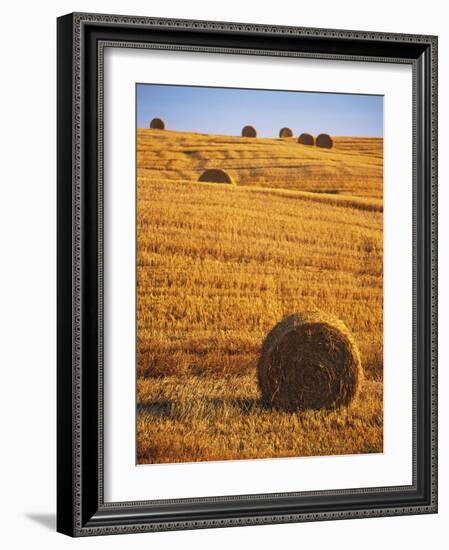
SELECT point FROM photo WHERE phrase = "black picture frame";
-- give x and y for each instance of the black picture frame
(81, 509)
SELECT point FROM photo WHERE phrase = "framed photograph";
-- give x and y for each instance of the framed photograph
(247, 279)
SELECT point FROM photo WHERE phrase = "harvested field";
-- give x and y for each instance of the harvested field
(264, 162)
(218, 266)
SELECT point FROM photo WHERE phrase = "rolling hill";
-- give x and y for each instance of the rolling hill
(219, 264)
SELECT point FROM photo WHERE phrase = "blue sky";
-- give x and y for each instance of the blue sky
(227, 110)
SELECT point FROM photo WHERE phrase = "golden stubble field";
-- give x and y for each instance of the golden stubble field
(219, 265)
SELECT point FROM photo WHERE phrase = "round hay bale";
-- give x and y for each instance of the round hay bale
(249, 131)
(309, 361)
(215, 175)
(157, 124)
(324, 140)
(306, 139)
(285, 133)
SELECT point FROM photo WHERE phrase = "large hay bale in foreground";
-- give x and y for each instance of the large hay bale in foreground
(306, 139)
(309, 361)
(249, 131)
(324, 140)
(285, 133)
(157, 124)
(215, 175)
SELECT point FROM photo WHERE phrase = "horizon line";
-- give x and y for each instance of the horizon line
(261, 136)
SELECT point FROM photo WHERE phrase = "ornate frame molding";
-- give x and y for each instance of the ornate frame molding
(74, 505)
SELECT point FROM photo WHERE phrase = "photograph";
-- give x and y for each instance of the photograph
(259, 273)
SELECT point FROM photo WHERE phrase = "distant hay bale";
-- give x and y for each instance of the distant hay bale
(324, 140)
(249, 131)
(157, 124)
(215, 175)
(285, 133)
(309, 361)
(306, 139)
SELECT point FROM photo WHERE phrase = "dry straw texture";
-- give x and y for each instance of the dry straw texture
(216, 270)
(157, 124)
(324, 140)
(249, 131)
(309, 361)
(354, 169)
(306, 139)
(285, 133)
(215, 175)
